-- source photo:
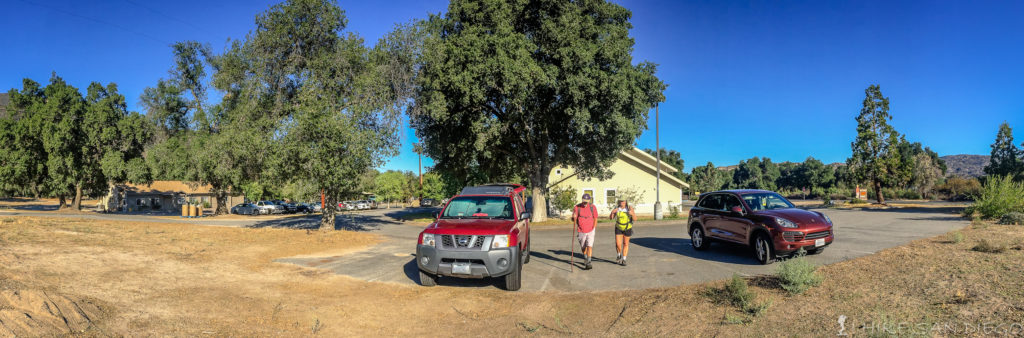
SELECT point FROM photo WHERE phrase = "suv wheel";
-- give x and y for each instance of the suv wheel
(697, 238)
(514, 280)
(763, 250)
(526, 254)
(427, 279)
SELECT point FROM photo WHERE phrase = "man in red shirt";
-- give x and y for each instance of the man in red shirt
(584, 216)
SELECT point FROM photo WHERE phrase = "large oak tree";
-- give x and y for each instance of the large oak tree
(517, 88)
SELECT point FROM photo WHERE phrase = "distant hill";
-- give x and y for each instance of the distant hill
(965, 165)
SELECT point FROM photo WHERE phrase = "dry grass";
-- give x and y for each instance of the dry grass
(173, 279)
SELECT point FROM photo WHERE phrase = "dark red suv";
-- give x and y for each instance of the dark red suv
(482, 232)
(761, 219)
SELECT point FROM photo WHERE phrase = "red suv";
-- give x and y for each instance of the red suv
(482, 232)
(760, 219)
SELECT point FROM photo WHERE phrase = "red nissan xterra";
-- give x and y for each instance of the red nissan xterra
(482, 232)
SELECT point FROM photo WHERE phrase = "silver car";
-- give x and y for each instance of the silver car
(245, 209)
(268, 207)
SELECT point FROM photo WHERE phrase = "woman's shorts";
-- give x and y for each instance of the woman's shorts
(627, 232)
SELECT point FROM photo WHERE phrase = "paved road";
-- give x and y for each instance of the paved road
(660, 255)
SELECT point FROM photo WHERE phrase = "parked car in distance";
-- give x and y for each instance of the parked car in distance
(428, 202)
(482, 232)
(303, 208)
(362, 205)
(245, 209)
(316, 207)
(760, 219)
(268, 207)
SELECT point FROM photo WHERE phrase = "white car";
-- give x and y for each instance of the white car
(268, 207)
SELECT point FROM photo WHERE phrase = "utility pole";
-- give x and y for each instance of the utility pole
(657, 147)
(419, 151)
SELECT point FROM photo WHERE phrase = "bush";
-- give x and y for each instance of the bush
(999, 196)
(956, 237)
(857, 201)
(796, 275)
(959, 189)
(673, 211)
(1012, 218)
(737, 293)
(986, 246)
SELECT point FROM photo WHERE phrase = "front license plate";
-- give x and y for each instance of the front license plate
(460, 268)
(819, 242)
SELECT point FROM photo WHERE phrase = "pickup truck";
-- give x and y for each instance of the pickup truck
(482, 232)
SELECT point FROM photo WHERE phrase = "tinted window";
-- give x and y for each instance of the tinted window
(766, 201)
(711, 202)
(479, 207)
(729, 201)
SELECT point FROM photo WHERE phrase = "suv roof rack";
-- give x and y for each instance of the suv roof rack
(503, 189)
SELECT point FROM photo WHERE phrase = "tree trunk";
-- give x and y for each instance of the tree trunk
(35, 191)
(222, 203)
(327, 213)
(77, 202)
(540, 205)
(878, 192)
(63, 202)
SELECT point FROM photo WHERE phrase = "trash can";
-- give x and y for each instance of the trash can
(184, 210)
(199, 211)
(191, 211)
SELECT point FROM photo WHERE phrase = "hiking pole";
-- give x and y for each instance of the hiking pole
(572, 248)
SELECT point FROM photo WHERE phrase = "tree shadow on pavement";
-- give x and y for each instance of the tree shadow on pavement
(350, 222)
(718, 251)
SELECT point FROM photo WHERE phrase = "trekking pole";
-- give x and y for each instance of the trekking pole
(572, 248)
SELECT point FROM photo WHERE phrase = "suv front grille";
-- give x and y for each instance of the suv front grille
(462, 241)
(793, 236)
(819, 234)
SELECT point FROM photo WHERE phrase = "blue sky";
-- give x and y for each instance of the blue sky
(782, 79)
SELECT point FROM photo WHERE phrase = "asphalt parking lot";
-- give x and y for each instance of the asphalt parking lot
(660, 255)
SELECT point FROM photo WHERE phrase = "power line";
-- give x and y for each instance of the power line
(95, 20)
(166, 16)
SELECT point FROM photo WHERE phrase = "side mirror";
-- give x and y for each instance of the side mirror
(737, 210)
(524, 216)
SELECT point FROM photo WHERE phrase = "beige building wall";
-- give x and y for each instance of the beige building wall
(633, 172)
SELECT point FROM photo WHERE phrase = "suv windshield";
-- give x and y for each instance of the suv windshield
(766, 201)
(479, 207)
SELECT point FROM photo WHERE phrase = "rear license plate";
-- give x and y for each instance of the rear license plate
(819, 242)
(460, 268)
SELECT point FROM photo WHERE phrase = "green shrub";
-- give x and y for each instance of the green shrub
(1012, 218)
(956, 237)
(999, 196)
(796, 275)
(857, 201)
(673, 211)
(737, 293)
(986, 246)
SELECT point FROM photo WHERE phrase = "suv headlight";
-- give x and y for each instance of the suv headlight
(785, 223)
(829, 220)
(500, 241)
(428, 239)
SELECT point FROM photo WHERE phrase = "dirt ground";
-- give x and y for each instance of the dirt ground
(60, 276)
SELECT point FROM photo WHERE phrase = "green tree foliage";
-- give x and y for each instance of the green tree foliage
(674, 159)
(516, 88)
(707, 178)
(433, 186)
(876, 157)
(391, 186)
(22, 153)
(1006, 158)
(562, 197)
(69, 145)
(756, 173)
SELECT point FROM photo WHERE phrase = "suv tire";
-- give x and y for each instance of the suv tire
(698, 238)
(514, 280)
(764, 251)
(427, 279)
(526, 254)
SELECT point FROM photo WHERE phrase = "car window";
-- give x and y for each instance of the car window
(479, 207)
(711, 202)
(729, 201)
(766, 201)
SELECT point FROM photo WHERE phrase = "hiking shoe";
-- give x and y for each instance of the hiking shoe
(588, 266)
(623, 261)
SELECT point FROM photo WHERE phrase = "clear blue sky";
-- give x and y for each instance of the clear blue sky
(746, 78)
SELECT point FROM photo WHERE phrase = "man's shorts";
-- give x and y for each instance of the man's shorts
(627, 232)
(586, 238)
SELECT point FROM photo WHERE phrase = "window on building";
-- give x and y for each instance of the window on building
(610, 196)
